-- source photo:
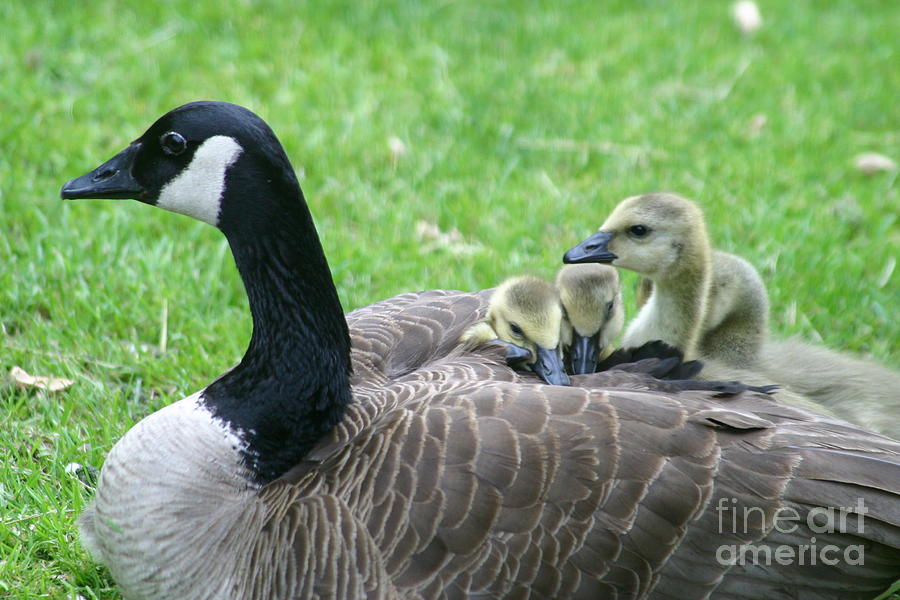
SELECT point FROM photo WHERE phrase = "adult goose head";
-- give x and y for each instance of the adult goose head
(592, 301)
(525, 313)
(441, 473)
(222, 164)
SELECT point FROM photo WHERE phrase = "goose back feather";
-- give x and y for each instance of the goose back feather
(455, 479)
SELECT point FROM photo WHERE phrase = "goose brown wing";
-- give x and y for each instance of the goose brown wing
(457, 480)
(473, 488)
(310, 547)
(774, 492)
(397, 336)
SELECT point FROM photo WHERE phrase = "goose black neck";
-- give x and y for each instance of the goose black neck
(292, 386)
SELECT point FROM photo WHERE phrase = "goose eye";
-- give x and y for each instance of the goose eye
(639, 230)
(173, 143)
(516, 330)
(609, 308)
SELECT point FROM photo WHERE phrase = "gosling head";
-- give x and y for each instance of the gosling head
(526, 311)
(650, 234)
(592, 301)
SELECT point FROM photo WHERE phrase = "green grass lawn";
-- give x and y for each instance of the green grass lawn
(523, 124)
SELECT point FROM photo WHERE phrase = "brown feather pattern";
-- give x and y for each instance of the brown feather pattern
(454, 477)
(449, 476)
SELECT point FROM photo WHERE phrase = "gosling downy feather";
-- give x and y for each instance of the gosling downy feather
(592, 300)
(525, 311)
(388, 463)
(858, 390)
(642, 291)
(710, 304)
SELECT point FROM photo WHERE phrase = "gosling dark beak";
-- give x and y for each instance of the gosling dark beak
(111, 180)
(594, 249)
(584, 353)
(516, 356)
(549, 367)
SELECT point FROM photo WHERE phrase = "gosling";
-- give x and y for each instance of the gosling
(592, 301)
(525, 313)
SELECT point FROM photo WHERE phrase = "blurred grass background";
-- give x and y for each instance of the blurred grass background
(512, 127)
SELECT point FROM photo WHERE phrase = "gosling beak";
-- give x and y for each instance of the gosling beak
(516, 356)
(111, 180)
(584, 353)
(549, 367)
(594, 249)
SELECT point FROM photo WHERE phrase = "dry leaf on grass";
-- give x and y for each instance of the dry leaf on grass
(22, 379)
(397, 149)
(746, 16)
(433, 238)
(432, 232)
(886, 272)
(757, 123)
(870, 163)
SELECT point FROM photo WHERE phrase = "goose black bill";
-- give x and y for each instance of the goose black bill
(594, 249)
(584, 353)
(549, 366)
(516, 356)
(112, 180)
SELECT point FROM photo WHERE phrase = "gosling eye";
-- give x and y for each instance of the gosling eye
(173, 143)
(516, 330)
(638, 231)
(609, 308)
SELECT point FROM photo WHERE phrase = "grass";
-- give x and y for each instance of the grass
(523, 124)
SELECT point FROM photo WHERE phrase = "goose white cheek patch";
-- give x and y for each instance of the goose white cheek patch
(197, 191)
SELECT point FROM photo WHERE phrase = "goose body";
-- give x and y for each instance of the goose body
(373, 457)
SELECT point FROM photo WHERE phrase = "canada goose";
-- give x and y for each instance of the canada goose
(663, 237)
(388, 463)
(720, 301)
(592, 300)
(524, 312)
